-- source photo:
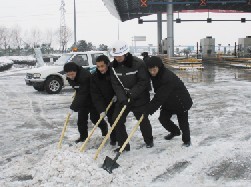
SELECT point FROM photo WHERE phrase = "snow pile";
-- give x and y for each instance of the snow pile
(28, 60)
(5, 63)
(22, 58)
(68, 166)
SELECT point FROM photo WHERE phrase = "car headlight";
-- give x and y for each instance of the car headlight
(36, 75)
(29, 76)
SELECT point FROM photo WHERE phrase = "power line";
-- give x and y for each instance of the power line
(53, 14)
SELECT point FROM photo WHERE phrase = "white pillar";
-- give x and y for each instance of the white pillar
(159, 28)
(170, 40)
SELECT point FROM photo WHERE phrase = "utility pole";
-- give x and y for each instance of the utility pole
(118, 30)
(62, 27)
(75, 27)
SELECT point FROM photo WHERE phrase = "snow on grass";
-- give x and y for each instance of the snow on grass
(4, 61)
(22, 58)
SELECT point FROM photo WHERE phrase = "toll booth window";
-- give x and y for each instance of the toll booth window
(81, 60)
(94, 57)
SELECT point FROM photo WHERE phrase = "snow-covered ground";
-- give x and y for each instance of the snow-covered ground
(220, 155)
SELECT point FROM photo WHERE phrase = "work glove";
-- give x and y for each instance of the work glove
(129, 95)
(125, 102)
(70, 111)
(114, 99)
(73, 108)
(102, 114)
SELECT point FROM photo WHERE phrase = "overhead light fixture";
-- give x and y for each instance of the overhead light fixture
(140, 21)
(243, 20)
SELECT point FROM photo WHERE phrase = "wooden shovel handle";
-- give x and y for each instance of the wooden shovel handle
(131, 134)
(109, 132)
(65, 126)
(63, 131)
(94, 128)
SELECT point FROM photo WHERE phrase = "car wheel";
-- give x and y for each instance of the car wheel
(53, 85)
(39, 88)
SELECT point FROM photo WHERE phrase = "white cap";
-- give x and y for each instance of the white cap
(119, 48)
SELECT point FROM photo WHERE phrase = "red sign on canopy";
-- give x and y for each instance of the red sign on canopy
(143, 3)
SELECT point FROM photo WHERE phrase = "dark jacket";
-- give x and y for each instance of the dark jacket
(81, 84)
(134, 77)
(101, 90)
(170, 92)
(145, 56)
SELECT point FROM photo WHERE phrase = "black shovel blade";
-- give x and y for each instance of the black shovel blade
(109, 164)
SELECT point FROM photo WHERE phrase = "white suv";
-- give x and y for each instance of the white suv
(52, 78)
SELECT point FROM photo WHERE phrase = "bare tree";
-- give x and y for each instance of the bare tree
(186, 51)
(4, 38)
(67, 36)
(26, 38)
(16, 39)
(2, 34)
(48, 40)
(35, 37)
(49, 37)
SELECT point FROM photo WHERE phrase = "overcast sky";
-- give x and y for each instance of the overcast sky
(95, 24)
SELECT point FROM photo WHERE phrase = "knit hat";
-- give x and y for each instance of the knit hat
(71, 66)
(154, 61)
(144, 54)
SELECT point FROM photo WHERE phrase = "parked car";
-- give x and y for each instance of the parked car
(52, 78)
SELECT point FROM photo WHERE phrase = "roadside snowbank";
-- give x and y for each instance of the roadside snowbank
(24, 60)
(5, 63)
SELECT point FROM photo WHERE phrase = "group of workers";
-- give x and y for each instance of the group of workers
(126, 81)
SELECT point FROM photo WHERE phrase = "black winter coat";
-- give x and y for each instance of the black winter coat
(134, 77)
(170, 93)
(81, 84)
(145, 58)
(101, 90)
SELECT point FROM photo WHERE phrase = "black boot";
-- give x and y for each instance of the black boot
(81, 139)
(187, 144)
(171, 136)
(112, 143)
(150, 145)
(127, 148)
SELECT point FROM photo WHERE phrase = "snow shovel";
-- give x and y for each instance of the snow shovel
(65, 126)
(110, 131)
(95, 126)
(110, 164)
(63, 131)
